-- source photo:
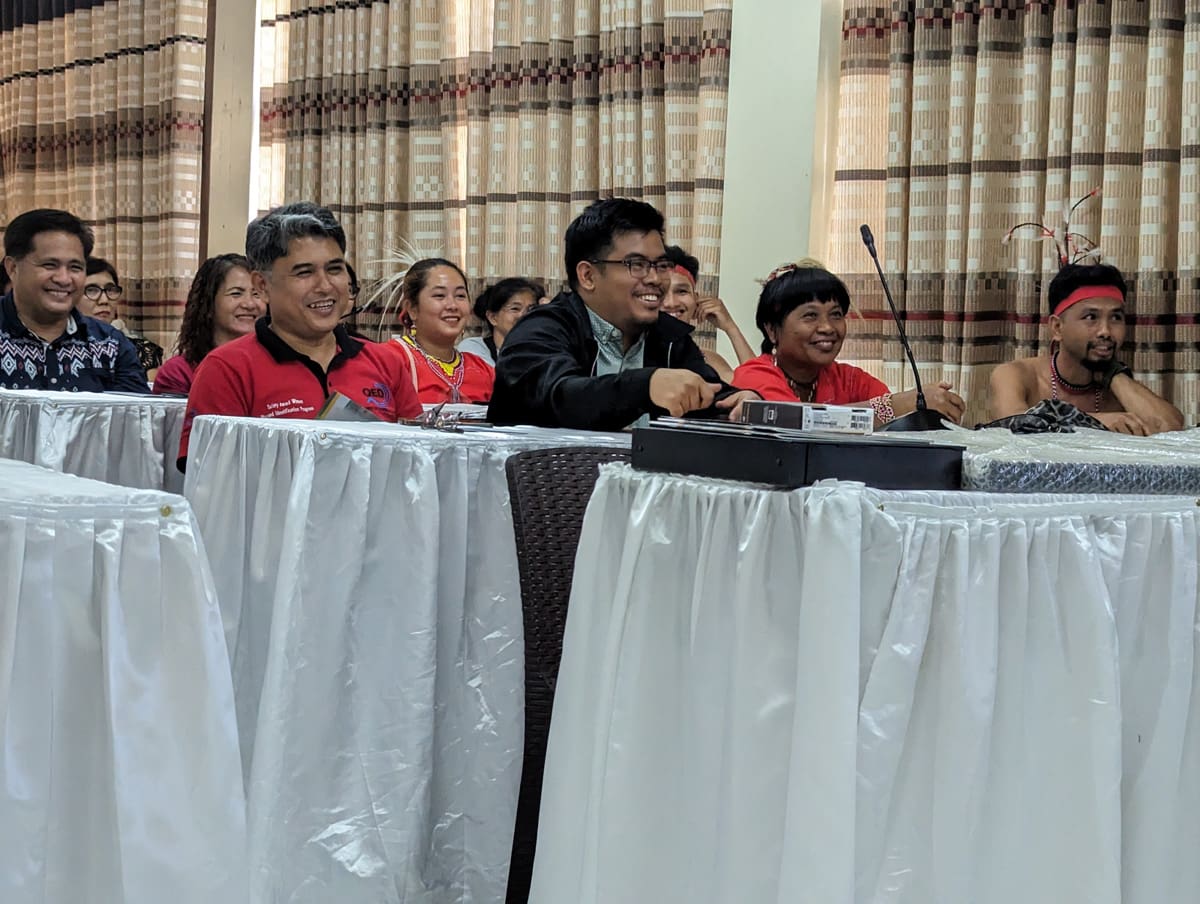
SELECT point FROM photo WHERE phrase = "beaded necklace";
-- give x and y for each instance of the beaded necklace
(795, 385)
(450, 372)
(1057, 379)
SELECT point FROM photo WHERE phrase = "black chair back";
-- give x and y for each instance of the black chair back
(549, 491)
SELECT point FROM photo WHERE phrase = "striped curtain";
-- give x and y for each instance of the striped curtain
(101, 114)
(959, 120)
(477, 129)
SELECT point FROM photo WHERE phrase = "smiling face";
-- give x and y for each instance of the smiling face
(809, 338)
(681, 298)
(236, 306)
(1090, 331)
(48, 281)
(307, 289)
(439, 312)
(628, 302)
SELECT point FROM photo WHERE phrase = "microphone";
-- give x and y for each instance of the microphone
(923, 418)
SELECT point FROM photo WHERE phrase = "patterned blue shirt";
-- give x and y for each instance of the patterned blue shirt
(89, 356)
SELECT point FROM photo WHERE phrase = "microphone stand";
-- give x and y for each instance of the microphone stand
(924, 418)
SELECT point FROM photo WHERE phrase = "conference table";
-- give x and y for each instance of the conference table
(120, 778)
(368, 584)
(121, 438)
(846, 695)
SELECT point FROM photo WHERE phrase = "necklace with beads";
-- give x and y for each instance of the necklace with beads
(450, 372)
(1057, 380)
(809, 389)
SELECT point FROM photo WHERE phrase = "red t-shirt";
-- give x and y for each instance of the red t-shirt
(434, 385)
(837, 384)
(174, 377)
(260, 375)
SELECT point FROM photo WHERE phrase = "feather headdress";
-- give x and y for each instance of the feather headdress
(1072, 247)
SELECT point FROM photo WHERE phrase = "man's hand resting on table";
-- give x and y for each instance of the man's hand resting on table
(680, 391)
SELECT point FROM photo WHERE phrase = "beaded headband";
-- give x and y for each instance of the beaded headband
(780, 271)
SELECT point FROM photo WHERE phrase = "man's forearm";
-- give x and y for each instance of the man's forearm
(1141, 401)
(741, 348)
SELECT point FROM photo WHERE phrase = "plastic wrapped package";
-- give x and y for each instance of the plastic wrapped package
(1087, 461)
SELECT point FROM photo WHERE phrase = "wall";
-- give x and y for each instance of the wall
(780, 148)
(233, 126)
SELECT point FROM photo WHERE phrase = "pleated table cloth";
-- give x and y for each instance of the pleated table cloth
(844, 696)
(119, 772)
(368, 579)
(120, 438)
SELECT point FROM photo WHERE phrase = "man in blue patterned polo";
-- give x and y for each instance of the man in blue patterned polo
(44, 342)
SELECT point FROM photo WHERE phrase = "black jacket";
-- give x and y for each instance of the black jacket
(545, 373)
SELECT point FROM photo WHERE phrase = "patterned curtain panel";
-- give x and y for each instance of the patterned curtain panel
(101, 113)
(960, 120)
(477, 129)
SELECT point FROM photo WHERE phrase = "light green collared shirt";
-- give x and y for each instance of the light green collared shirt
(612, 358)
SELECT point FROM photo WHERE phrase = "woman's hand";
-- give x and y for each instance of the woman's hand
(940, 398)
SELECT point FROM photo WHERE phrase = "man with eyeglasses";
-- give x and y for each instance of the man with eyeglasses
(45, 343)
(603, 356)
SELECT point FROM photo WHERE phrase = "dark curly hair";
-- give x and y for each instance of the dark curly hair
(196, 330)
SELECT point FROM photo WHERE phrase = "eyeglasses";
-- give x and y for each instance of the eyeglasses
(113, 291)
(640, 267)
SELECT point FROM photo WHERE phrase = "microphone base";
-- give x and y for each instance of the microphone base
(917, 421)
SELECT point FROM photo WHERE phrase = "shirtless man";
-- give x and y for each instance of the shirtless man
(1087, 325)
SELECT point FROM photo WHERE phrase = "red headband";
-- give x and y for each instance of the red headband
(684, 271)
(1085, 292)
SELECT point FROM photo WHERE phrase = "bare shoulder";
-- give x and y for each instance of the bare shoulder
(1013, 387)
(1021, 372)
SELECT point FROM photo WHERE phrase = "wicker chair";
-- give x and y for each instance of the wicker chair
(549, 491)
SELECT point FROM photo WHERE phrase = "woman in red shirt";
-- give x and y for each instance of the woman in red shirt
(221, 306)
(436, 305)
(802, 316)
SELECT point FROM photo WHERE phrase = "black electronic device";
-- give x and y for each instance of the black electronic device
(790, 458)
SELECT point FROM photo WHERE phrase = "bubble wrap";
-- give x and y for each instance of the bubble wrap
(1088, 461)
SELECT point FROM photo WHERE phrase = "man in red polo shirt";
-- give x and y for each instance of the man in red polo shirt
(299, 354)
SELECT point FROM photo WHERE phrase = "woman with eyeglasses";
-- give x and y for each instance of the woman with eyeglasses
(435, 304)
(101, 292)
(221, 306)
(498, 309)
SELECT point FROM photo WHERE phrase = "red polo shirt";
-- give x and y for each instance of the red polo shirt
(260, 375)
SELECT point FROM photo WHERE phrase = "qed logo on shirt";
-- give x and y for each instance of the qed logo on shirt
(377, 396)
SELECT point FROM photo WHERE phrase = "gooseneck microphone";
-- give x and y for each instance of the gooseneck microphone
(923, 418)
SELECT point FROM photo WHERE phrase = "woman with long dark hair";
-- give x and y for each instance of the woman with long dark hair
(221, 306)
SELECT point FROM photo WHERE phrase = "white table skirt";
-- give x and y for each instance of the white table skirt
(368, 579)
(119, 770)
(128, 440)
(843, 695)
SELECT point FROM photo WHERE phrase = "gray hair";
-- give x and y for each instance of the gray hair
(268, 237)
